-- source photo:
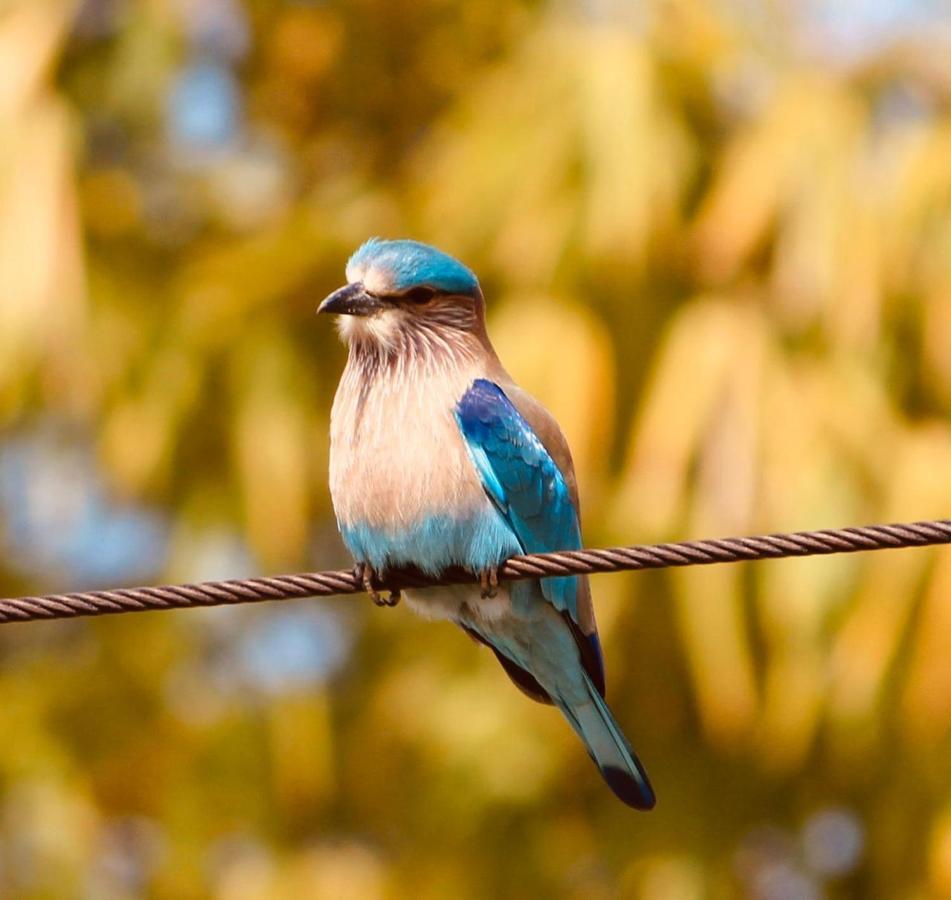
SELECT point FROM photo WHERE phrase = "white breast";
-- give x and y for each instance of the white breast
(396, 453)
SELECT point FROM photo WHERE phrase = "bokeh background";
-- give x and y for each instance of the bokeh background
(715, 236)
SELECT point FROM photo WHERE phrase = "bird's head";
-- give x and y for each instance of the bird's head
(399, 293)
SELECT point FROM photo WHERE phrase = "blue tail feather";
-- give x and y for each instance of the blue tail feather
(609, 749)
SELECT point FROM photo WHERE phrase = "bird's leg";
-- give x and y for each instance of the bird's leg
(365, 573)
(489, 582)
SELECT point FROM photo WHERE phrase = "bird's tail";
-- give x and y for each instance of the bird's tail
(609, 749)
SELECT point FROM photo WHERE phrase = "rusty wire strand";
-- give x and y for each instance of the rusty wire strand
(565, 562)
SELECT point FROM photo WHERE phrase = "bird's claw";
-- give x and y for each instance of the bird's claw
(366, 575)
(489, 582)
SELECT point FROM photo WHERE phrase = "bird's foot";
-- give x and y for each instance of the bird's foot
(489, 582)
(365, 573)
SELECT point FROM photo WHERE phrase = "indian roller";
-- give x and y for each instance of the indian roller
(438, 459)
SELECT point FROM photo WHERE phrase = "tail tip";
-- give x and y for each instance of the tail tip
(630, 789)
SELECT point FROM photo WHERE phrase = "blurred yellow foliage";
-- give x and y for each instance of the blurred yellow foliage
(715, 239)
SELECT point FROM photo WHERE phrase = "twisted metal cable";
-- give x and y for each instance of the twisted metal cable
(566, 562)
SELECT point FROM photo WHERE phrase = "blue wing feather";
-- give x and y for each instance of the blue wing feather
(522, 480)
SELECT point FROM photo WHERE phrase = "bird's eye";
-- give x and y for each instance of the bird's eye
(419, 294)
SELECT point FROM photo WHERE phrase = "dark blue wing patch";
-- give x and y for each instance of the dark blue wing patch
(522, 481)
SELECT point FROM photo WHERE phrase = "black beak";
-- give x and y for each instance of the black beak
(351, 300)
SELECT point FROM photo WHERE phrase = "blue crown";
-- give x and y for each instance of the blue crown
(411, 264)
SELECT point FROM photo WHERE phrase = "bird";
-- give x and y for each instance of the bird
(438, 459)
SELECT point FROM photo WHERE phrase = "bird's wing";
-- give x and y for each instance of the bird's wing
(526, 471)
(546, 427)
(523, 482)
